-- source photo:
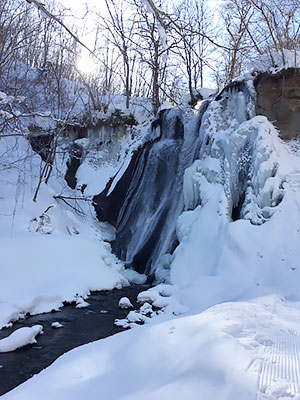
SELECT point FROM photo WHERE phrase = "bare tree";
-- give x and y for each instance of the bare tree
(237, 19)
(193, 17)
(15, 19)
(119, 33)
(277, 25)
(256, 27)
(154, 51)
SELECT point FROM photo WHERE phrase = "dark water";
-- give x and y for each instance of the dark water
(81, 326)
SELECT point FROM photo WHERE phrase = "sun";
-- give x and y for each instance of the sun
(85, 64)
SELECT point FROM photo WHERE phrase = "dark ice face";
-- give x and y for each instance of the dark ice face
(147, 200)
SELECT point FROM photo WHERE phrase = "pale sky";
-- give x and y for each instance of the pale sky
(86, 63)
(86, 25)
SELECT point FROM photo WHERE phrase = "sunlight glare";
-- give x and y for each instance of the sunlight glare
(85, 64)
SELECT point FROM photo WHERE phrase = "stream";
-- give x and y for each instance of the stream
(80, 326)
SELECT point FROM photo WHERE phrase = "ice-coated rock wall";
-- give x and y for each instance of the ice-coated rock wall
(145, 203)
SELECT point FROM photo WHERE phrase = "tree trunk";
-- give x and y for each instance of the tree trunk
(155, 77)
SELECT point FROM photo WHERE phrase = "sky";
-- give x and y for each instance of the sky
(86, 23)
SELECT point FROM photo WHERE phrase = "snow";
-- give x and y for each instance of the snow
(220, 353)
(275, 61)
(80, 303)
(49, 253)
(7, 313)
(124, 302)
(54, 252)
(224, 322)
(57, 325)
(20, 338)
(134, 277)
(219, 259)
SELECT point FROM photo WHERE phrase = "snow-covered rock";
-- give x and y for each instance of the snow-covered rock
(125, 303)
(57, 325)
(81, 303)
(275, 61)
(20, 338)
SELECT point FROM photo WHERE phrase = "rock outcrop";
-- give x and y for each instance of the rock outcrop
(278, 98)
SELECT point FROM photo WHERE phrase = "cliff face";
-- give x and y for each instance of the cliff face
(278, 98)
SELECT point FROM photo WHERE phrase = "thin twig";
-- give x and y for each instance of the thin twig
(72, 198)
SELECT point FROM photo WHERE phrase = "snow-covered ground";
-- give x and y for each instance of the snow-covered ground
(54, 250)
(241, 350)
(49, 252)
(230, 325)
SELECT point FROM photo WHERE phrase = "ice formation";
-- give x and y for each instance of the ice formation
(240, 195)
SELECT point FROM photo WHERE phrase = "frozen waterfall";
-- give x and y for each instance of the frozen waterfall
(206, 171)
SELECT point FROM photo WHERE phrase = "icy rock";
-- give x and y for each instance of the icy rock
(146, 309)
(125, 303)
(57, 325)
(134, 277)
(136, 317)
(20, 338)
(162, 271)
(122, 323)
(81, 303)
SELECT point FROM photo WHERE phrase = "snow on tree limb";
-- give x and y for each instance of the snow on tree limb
(155, 11)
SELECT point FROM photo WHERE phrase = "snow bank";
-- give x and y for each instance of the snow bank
(50, 253)
(219, 353)
(20, 338)
(8, 313)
